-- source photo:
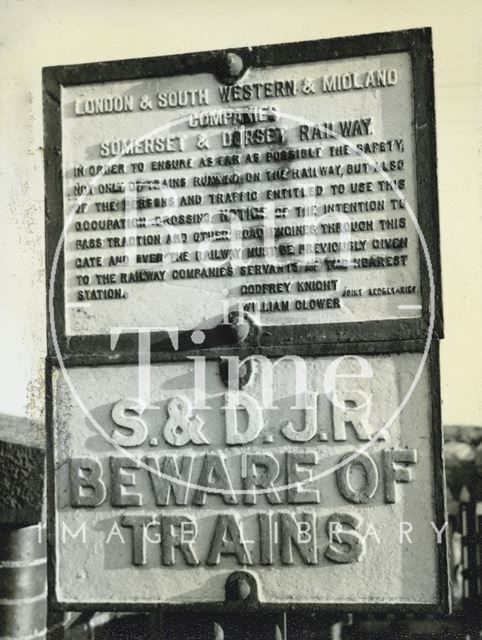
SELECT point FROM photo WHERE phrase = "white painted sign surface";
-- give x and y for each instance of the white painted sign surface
(286, 194)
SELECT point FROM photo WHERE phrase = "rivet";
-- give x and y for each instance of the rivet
(230, 67)
(243, 325)
(241, 586)
(234, 65)
(244, 588)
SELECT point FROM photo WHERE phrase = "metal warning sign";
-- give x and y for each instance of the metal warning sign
(325, 495)
(242, 253)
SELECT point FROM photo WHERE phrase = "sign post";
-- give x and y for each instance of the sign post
(244, 306)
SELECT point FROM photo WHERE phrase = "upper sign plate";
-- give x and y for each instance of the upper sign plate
(297, 192)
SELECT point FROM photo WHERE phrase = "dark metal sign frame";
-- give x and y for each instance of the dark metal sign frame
(352, 335)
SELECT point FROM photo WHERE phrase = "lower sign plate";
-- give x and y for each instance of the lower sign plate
(321, 480)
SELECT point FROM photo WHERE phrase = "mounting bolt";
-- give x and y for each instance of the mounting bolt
(230, 67)
(234, 64)
(242, 324)
(241, 379)
(241, 586)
